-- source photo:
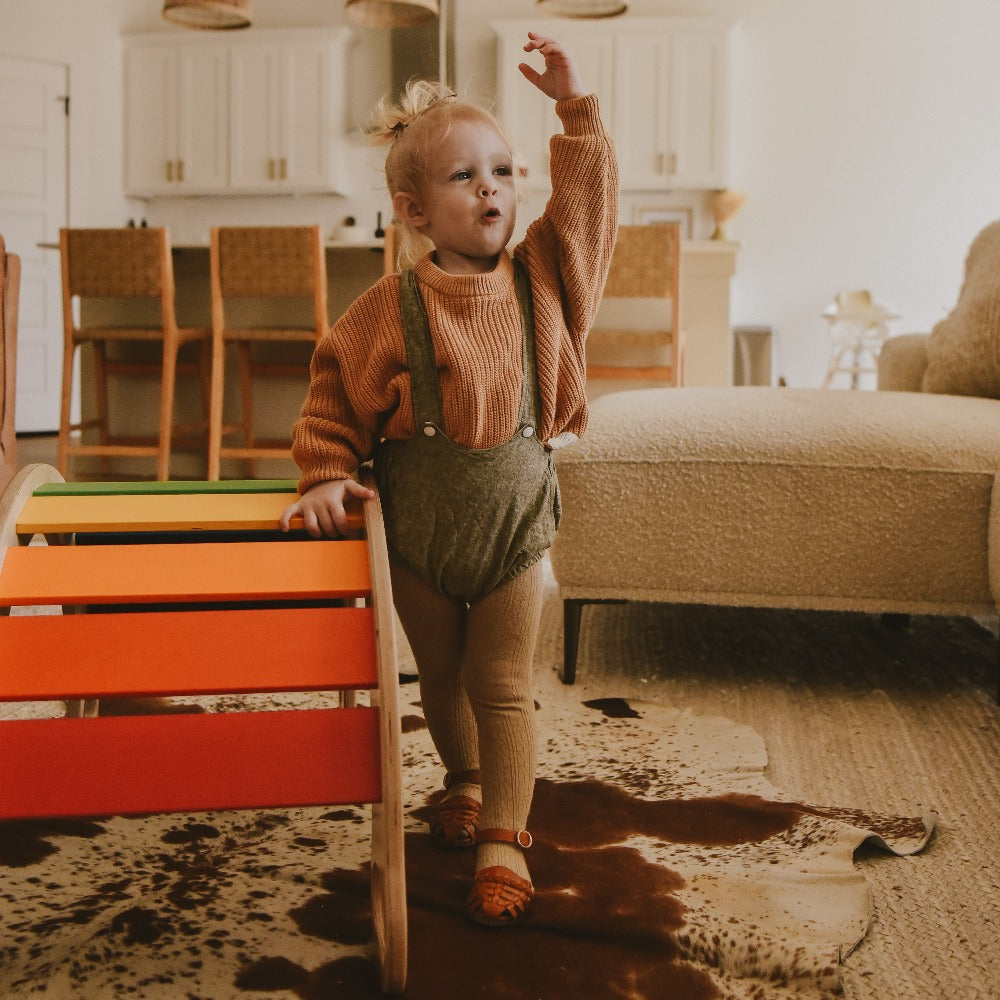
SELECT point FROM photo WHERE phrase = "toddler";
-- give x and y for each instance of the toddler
(458, 376)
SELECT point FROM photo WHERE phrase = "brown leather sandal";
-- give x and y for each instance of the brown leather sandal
(455, 819)
(499, 897)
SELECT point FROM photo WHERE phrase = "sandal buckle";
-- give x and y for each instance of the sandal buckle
(524, 839)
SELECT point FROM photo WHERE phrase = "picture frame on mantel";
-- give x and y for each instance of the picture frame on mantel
(656, 215)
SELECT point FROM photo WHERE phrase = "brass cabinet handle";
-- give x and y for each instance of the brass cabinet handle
(180, 170)
(666, 163)
(270, 168)
(284, 169)
(170, 170)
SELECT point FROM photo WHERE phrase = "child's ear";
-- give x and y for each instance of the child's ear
(408, 209)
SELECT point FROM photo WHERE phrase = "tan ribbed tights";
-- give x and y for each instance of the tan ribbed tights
(475, 666)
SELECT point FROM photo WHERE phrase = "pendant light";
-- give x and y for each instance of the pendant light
(210, 14)
(582, 8)
(390, 13)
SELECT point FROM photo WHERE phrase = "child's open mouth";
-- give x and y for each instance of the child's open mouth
(492, 214)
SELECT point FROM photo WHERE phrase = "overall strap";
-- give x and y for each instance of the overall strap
(531, 400)
(425, 387)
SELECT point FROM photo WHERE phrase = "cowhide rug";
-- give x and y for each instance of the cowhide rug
(666, 867)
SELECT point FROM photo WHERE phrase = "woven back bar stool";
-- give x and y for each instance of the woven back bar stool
(640, 309)
(251, 265)
(244, 611)
(129, 275)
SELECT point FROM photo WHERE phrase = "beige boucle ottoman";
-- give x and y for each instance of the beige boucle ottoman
(781, 498)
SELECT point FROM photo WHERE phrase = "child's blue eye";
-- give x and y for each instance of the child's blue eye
(461, 175)
(504, 171)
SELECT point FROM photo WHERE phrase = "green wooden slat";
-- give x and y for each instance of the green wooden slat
(178, 486)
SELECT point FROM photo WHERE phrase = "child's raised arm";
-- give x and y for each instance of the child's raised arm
(560, 81)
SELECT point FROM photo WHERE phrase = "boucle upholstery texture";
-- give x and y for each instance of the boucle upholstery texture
(963, 352)
(775, 497)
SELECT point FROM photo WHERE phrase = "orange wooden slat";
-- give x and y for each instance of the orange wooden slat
(52, 657)
(209, 571)
(175, 763)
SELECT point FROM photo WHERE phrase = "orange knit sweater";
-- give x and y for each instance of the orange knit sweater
(360, 386)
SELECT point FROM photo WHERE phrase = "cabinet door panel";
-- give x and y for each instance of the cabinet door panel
(306, 122)
(150, 120)
(256, 86)
(642, 103)
(697, 108)
(202, 132)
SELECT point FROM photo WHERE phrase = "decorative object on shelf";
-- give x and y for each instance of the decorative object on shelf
(208, 14)
(725, 204)
(582, 8)
(390, 13)
(858, 329)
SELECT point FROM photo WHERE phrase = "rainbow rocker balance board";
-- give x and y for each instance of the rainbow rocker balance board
(189, 574)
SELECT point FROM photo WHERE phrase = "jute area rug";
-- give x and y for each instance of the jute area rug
(673, 857)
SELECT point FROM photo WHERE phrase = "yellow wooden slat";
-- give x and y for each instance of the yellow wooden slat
(179, 512)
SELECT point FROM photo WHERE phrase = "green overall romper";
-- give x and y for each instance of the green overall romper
(466, 520)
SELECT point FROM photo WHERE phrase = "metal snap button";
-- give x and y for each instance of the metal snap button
(430, 430)
(528, 431)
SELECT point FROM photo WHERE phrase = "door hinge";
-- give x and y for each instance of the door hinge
(65, 104)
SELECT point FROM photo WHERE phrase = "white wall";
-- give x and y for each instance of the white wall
(864, 135)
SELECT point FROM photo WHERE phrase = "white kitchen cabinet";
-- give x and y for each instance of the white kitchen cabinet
(670, 109)
(258, 115)
(663, 87)
(176, 99)
(287, 116)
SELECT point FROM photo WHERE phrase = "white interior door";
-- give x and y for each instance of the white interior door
(33, 207)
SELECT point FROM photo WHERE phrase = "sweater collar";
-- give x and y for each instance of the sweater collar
(496, 282)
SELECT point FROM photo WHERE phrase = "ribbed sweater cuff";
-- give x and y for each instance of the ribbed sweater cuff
(580, 115)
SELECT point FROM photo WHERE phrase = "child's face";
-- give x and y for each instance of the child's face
(467, 204)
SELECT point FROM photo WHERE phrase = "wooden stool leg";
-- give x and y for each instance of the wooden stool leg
(65, 408)
(216, 406)
(101, 394)
(168, 384)
(246, 390)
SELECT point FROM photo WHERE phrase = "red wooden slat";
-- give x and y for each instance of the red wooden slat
(177, 763)
(50, 657)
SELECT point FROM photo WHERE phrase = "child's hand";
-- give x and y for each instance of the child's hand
(560, 80)
(322, 507)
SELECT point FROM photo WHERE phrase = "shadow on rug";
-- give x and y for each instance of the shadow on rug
(665, 866)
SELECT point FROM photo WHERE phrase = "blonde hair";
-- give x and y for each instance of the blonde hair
(413, 127)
